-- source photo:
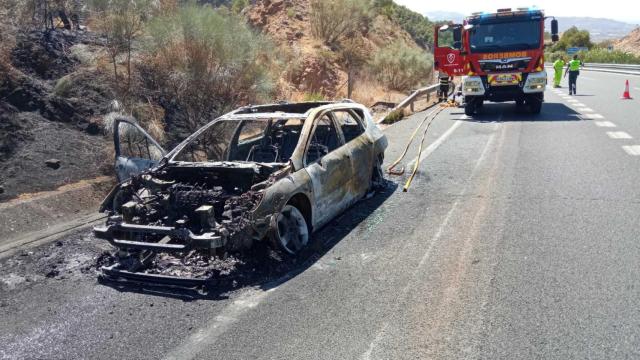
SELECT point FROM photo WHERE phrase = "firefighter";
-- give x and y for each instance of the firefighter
(573, 68)
(445, 80)
(558, 66)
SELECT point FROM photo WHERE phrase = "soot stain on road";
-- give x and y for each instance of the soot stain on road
(78, 258)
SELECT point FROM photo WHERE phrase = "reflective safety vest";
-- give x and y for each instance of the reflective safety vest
(559, 65)
(574, 65)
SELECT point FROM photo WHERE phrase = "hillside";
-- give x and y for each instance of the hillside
(630, 43)
(57, 85)
(314, 68)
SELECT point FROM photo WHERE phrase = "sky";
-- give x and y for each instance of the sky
(628, 11)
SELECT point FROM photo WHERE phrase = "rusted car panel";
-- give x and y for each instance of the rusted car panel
(276, 172)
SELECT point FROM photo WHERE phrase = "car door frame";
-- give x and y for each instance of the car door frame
(131, 166)
(361, 149)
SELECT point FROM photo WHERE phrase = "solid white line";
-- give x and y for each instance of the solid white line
(431, 148)
(618, 135)
(633, 150)
(208, 335)
(605, 124)
(593, 116)
(585, 109)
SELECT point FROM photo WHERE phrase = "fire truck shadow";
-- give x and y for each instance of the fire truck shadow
(508, 112)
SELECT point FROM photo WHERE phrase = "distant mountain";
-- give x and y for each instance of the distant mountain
(600, 29)
(445, 16)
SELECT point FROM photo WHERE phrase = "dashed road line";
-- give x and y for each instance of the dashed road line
(584, 109)
(619, 135)
(592, 116)
(573, 101)
(605, 124)
(633, 150)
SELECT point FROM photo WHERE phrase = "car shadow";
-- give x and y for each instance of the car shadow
(507, 112)
(262, 266)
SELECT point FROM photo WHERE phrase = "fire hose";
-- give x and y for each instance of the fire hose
(428, 119)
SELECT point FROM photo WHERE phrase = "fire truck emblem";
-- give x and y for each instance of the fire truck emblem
(451, 58)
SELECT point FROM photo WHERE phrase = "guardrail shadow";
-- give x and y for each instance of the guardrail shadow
(507, 112)
(265, 268)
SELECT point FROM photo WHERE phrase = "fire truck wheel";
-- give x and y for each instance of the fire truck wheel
(535, 104)
(470, 107)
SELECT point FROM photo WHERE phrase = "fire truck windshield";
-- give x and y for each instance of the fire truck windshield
(505, 36)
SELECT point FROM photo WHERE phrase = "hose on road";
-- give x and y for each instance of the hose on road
(428, 119)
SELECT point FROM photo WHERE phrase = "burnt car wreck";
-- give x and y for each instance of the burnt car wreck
(269, 173)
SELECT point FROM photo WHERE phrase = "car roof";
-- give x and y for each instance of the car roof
(286, 109)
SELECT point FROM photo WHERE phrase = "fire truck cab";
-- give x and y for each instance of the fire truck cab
(500, 57)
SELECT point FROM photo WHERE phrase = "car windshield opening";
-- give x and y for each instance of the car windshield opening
(244, 140)
(506, 36)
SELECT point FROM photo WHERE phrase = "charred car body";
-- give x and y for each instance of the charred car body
(260, 173)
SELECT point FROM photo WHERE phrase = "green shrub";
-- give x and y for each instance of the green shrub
(597, 55)
(207, 61)
(333, 20)
(393, 117)
(63, 85)
(313, 97)
(400, 67)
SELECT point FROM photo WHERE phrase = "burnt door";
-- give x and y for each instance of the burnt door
(360, 149)
(328, 164)
(447, 51)
(135, 150)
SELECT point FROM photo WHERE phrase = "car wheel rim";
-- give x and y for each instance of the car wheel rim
(293, 233)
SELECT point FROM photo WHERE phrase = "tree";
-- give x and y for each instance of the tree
(574, 37)
(332, 20)
(122, 22)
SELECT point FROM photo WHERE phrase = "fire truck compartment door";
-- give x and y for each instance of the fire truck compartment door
(448, 45)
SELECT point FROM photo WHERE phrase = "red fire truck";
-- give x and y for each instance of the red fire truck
(500, 57)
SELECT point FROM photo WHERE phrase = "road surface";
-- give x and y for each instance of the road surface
(519, 239)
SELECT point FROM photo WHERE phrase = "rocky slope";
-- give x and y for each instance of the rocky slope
(630, 43)
(313, 67)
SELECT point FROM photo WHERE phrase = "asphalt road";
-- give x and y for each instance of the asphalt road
(518, 240)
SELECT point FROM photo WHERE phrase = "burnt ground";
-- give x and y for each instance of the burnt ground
(50, 109)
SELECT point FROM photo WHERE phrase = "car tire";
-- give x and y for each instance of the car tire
(289, 231)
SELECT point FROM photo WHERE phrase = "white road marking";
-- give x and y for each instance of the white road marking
(573, 101)
(605, 124)
(633, 150)
(578, 105)
(431, 148)
(434, 239)
(593, 116)
(584, 109)
(618, 135)
(208, 335)
(635, 88)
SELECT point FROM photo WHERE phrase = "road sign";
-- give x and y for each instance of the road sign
(575, 50)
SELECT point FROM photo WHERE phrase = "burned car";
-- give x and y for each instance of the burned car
(269, 173)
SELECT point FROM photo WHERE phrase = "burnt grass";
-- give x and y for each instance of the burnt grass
(39, 123)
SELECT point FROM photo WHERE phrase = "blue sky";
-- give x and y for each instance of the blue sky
(628, 11)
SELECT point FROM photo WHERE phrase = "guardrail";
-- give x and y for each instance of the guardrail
(415, 96)
(613, 66)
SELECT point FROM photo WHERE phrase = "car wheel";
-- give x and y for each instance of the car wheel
(290, 231)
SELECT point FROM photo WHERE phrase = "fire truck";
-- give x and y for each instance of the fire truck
(500, 57)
